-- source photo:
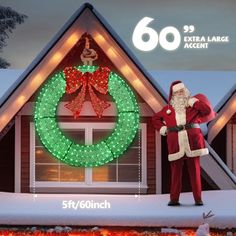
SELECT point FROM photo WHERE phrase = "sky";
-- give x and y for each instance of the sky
(209, 17)
(215, 84)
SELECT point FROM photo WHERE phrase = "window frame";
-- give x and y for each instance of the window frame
(230, 153)
(88, 184)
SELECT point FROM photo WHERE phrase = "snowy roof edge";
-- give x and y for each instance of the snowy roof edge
(225, 99)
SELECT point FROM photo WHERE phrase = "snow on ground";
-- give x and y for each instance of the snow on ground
(125, 210)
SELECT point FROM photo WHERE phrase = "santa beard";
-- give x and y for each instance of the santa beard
(179, 103)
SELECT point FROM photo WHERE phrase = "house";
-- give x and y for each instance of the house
(30, 168)
(222, 130)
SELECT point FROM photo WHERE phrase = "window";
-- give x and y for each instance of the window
(48, 168)
(127, 172)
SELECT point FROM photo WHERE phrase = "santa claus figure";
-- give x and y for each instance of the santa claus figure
(180, 120)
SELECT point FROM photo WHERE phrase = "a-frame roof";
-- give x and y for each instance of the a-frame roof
(225, 109)
(85, 19)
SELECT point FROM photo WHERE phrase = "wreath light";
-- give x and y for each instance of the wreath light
(66, 149)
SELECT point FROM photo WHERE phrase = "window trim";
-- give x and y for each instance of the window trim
(230, 160)
(49, 186)
(17, 167)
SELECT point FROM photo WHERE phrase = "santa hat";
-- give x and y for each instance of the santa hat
(175, 86)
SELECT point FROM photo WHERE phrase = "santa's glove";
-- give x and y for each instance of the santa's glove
(191, 101)
(163, 130)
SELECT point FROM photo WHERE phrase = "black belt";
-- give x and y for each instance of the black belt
(182, 127)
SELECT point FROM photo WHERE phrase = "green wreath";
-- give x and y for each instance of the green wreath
(70, 152)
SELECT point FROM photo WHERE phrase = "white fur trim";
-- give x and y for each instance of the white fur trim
(180, 118)
(184, 148)
(168, 111)
(195, 153)
(191, 101)
(163, 130)
(177, 87)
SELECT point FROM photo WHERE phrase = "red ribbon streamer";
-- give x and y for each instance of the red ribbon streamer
(97, 80)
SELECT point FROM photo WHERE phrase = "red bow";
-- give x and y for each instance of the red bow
(98, 80)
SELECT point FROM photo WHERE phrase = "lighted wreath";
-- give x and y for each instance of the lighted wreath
(91, 78)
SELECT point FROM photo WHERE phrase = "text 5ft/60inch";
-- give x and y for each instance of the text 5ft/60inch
(143, 28)
(85, 204)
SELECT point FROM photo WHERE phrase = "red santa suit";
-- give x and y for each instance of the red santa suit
(185, 140)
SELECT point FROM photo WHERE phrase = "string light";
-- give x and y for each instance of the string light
(20, 100)
(98, 80)
(107, 232)
(56, 58)
(72, 39)
(111, 53)
(66, 149)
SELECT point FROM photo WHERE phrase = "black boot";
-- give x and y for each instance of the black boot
(173, 203)
(199, 203)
